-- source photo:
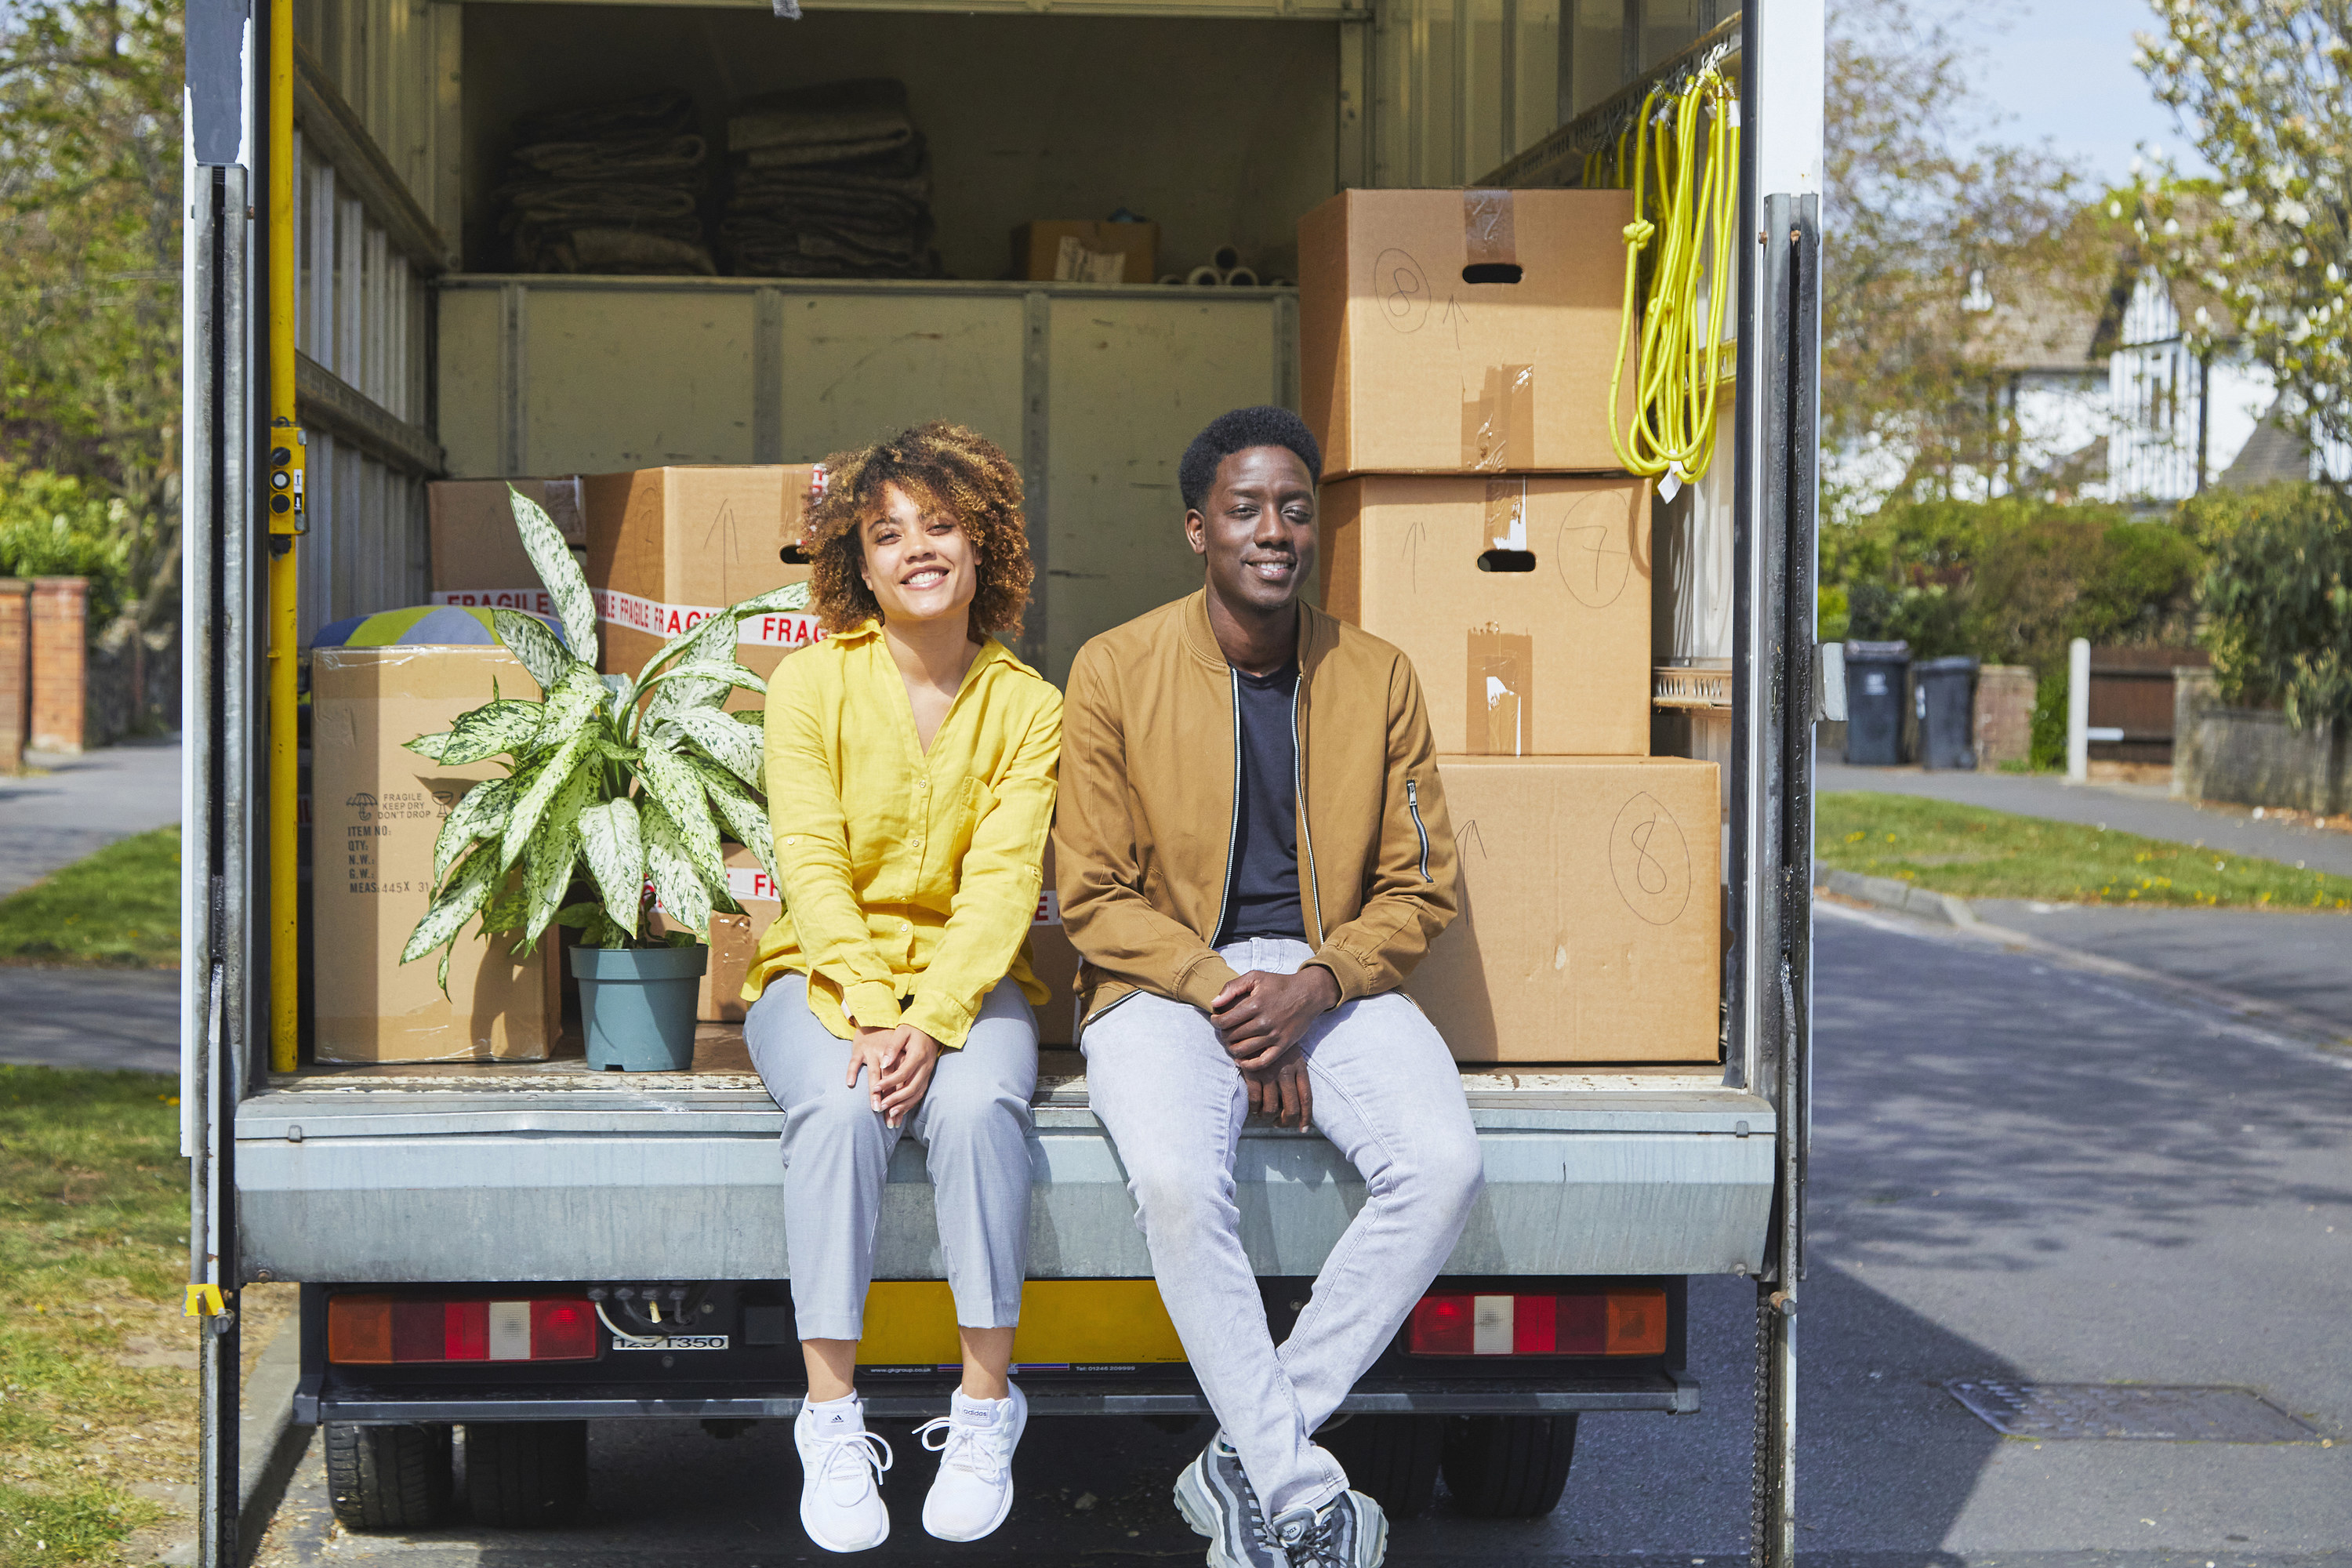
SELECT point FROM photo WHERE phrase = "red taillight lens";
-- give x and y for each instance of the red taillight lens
(1613, 1321)
(1442, 1325)
(561, 1331)
(381, 1329)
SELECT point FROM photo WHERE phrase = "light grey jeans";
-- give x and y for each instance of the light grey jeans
(973, 1124)
(1387, 1094)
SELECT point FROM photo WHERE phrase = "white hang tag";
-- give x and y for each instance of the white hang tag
(1671, 485)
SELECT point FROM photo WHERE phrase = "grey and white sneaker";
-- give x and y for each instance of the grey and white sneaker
(1348, 1531)
(1216, 1500)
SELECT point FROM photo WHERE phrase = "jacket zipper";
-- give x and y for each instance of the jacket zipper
(1412, 805)
(1233, 830)
(1313, 890)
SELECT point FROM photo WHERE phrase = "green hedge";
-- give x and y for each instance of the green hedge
(53, 526)
(2278, 598)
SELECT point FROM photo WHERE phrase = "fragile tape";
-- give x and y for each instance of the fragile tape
(784, 629)
(750, 884)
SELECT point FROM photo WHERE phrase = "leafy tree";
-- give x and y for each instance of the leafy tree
(1942, 242)
(89, 266)
(2267, 88)
(2278, 598)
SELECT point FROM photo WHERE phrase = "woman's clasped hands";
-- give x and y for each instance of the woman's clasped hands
(900, 1061)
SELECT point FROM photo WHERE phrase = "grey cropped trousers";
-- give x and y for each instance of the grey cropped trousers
(1389, 1097)
(973, 1124)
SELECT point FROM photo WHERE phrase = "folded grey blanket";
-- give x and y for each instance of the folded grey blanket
(839, 120)
(656, 158)
(668, 112)
(585, 202)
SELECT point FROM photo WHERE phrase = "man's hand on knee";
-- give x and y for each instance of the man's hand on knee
(1258, 1017)
(1282, 1091)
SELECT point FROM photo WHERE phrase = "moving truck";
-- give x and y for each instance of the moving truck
(578, 1246)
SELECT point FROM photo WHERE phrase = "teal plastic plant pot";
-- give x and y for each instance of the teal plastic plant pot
(639, 1005)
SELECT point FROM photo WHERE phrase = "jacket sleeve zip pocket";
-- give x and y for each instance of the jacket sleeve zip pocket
(1412, 805)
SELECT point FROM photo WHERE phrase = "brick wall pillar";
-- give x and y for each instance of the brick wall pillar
(60, 637)
(2004, 714)
(15, 670)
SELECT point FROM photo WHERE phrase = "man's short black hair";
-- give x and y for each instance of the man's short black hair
(1237, 432)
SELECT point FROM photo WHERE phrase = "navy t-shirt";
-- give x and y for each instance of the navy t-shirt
(1262, 887)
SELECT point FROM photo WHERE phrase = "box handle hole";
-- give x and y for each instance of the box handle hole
(1507, 560)
(1491, 272)
(794, 555)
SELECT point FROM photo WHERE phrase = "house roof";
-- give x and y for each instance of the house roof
(2070, 317)
(2271, 453)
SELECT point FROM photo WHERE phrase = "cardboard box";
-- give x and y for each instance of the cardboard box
(1590, 928)
(1448, 332)
(735, 943)
(477, 556)
(1074, 250)
(376, 809)
(1523, 601)
(669, 546)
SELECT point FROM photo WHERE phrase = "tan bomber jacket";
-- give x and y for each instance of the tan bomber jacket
(1143, 837)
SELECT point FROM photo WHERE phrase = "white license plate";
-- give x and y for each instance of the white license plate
(672, 1343)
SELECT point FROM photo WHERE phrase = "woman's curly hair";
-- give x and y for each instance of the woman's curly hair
(959, 472)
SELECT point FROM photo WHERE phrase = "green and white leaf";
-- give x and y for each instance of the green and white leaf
(553, 849)
(678, 884)
(674, 783)
(544, 542)
(531, 806)
(481, 813)
(714, 634)
(744, 816)
(735, 747)
(616, 849)
(791, 597)
(429, 746)
(712, 673)
(528, 638)
(620, 691)
(456, 905)
(576, 707)
(505, 725)
(711, 641)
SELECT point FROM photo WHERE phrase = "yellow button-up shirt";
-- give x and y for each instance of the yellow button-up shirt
(909, 879)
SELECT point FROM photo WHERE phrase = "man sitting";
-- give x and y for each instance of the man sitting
(1253, 853)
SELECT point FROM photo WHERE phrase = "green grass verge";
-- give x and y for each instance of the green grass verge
(93, 1208)
(119, 907)
(1979, 854)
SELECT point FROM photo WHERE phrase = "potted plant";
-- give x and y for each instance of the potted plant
(633, 776)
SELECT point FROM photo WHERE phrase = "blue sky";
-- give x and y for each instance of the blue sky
(2063, 71)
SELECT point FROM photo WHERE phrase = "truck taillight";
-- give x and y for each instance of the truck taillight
(378, 1331)
(1620, 1320)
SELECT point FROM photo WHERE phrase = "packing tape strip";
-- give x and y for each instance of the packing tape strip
(786, 628)
(562, 500)
(1489, 237)
(1507, 513)
(1501, 716)
(1498, 426)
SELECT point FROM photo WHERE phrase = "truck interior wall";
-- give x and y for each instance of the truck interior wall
(1609, 43)
(384, 57)
(1221, 132)
(1460, 85)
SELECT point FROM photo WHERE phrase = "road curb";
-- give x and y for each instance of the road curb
(270, 1445)
(1944, 909)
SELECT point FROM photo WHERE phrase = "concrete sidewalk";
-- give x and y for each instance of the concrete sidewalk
(2127, 808)
(67, 807)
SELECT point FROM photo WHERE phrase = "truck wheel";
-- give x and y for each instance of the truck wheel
(1392, 1457)
(387, 1477)
(521, 1475)
(1509, 1466)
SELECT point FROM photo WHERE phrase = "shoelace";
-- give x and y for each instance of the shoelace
(858, 1450)
(1313, 1543)
(961, 1446)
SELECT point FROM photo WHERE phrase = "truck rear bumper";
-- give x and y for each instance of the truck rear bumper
(382, 1189)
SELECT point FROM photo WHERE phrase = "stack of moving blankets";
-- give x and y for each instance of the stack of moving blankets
(829, 182)
(612, 187)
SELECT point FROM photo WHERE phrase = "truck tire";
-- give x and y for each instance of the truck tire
(1392, 1457)
(387, 1477)
(526, 1475)
(1508, 1467)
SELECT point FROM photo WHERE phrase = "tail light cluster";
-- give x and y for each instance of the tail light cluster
(1628, 1320)
(377, 1331)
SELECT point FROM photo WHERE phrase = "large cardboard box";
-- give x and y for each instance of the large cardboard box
(477, 556)
(1462, 330)
(1522, 600)
(1074, 250)
(1590, 928)
(669, 546)
(376, 808)
(735, 943)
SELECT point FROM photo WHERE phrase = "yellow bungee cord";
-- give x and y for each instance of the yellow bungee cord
(1672, 428)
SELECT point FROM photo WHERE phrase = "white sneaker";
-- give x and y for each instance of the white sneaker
(974, 1491)
(841, 1476)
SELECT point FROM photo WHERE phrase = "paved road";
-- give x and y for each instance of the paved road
(2022, 1171)
(70, 1017)
(2129, 808)
(2303, 960)
(72, 806)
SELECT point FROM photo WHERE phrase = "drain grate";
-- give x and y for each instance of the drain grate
(2054, 1410)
